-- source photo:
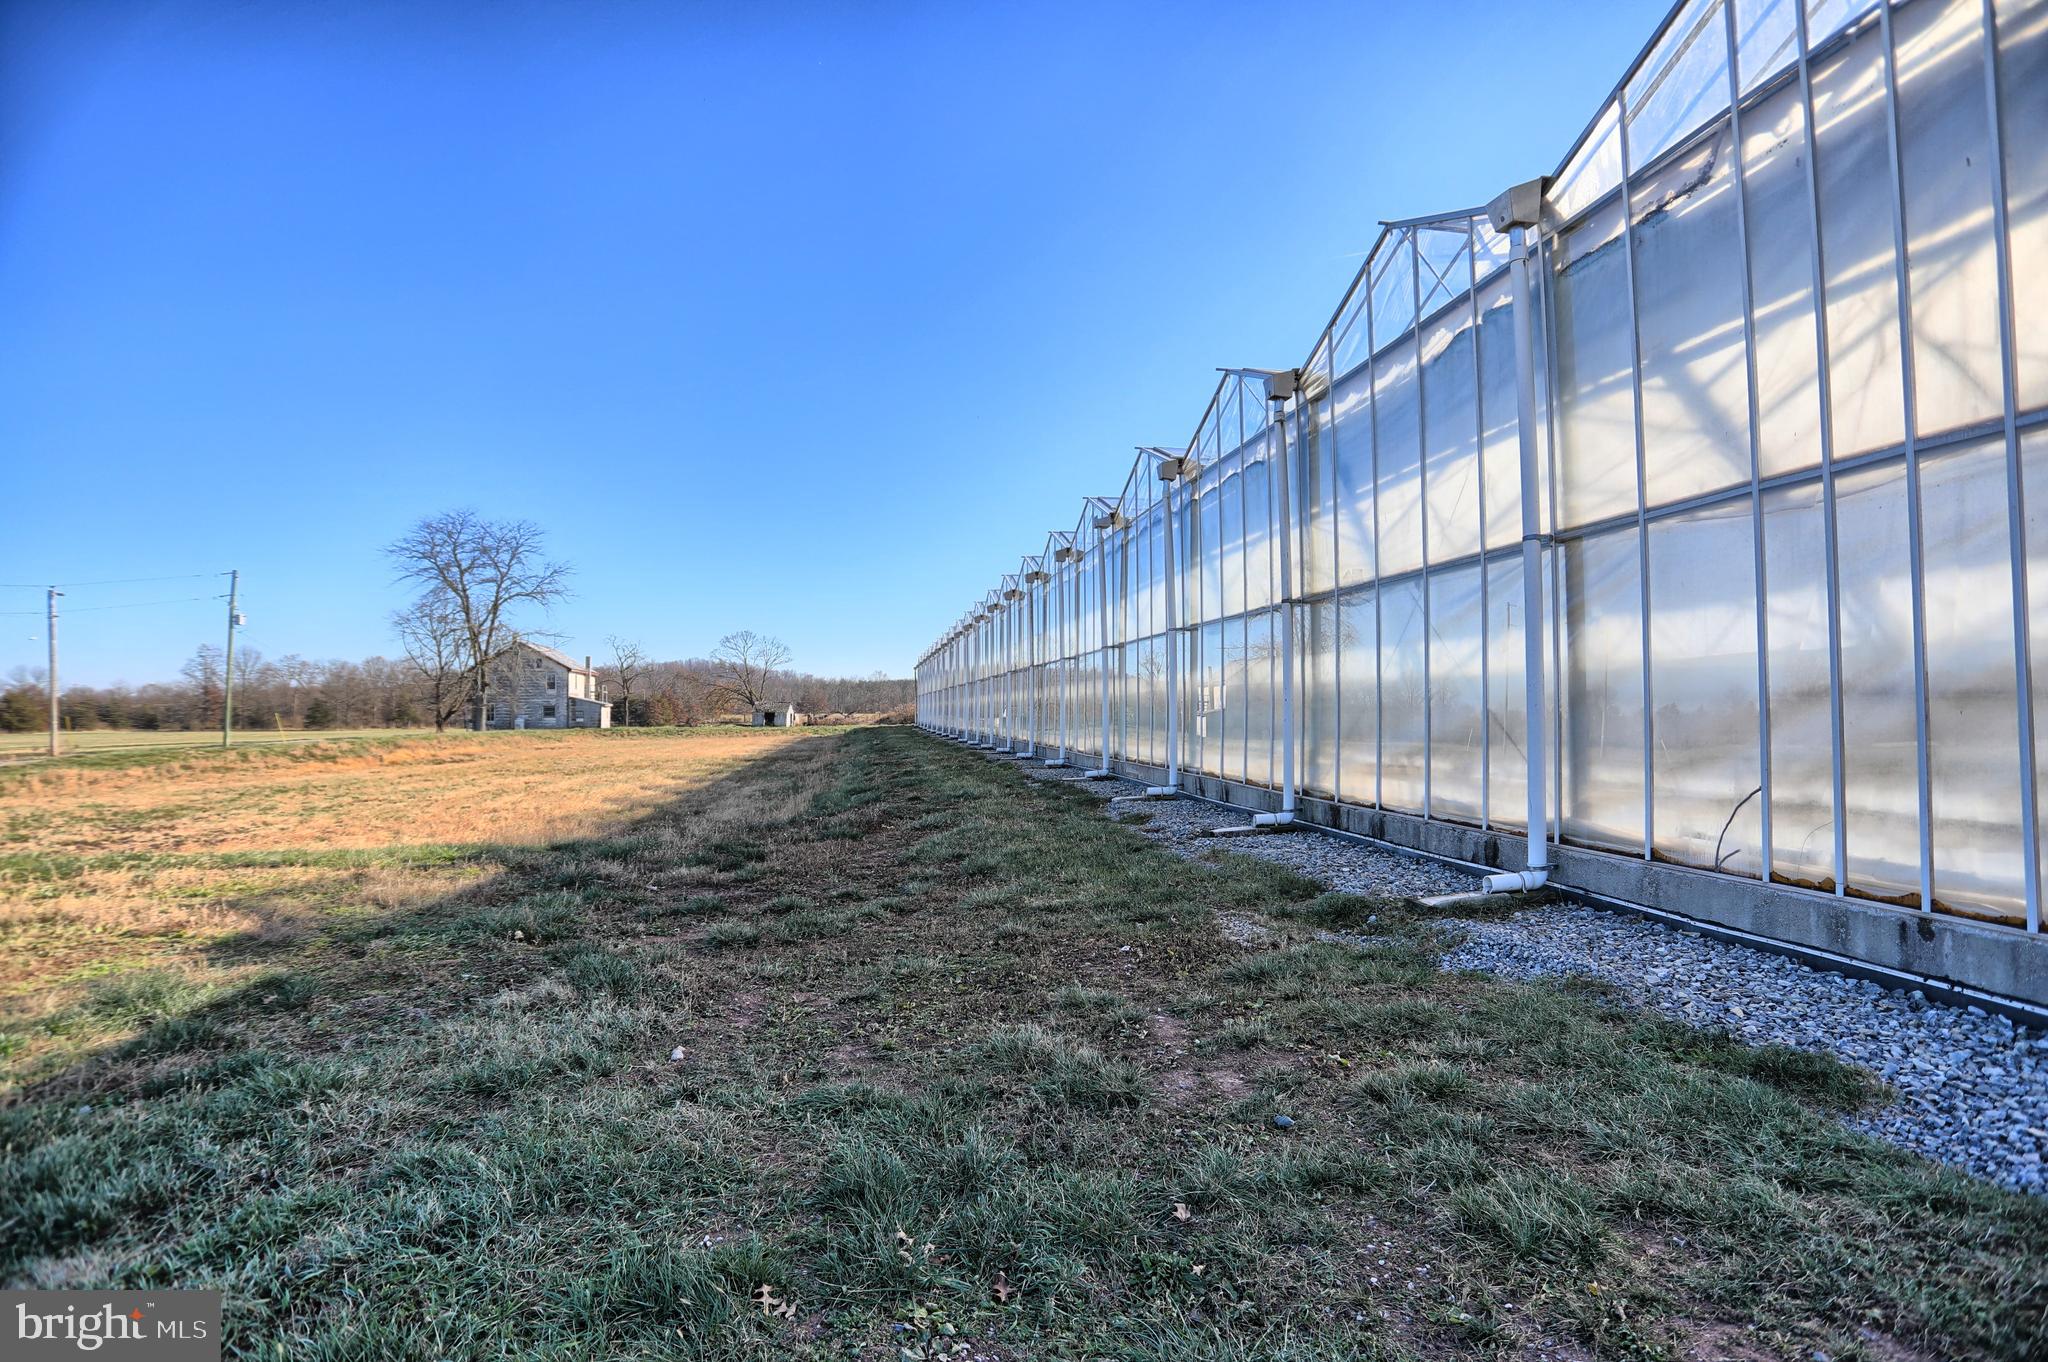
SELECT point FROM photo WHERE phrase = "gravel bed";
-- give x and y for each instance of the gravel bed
(1342, 864)
(1973, 1088)
(1181, 825)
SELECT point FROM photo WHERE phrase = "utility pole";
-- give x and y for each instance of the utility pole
(54, 745)
(227, 674)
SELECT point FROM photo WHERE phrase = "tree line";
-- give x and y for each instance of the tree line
(379, 692)
(478, 581)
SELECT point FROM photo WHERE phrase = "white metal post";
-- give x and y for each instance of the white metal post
(1172, 635)
(1285, 534)
(1006, 650)
(1031, 664)
(2016, 528)
(1064, 615)
(1818, 260)
(1534, 720)
(1009, 645)
(1105, 525)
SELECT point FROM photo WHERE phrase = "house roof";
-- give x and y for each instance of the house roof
(554, 656)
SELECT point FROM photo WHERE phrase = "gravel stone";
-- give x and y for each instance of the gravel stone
(1182, 824)
(1972, 1088)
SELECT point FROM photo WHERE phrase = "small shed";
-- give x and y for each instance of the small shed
(777, 716)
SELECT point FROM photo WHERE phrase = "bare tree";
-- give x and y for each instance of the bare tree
(629, 664)
(746, 665)
(679, 693)
(437, 651)
(487, 569)
(814, 700)
(204, 672)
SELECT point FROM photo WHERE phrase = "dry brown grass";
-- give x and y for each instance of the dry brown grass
(506, 788)
(199, 866)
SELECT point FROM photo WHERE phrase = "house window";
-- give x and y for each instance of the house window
(547, 711)
(551, 683)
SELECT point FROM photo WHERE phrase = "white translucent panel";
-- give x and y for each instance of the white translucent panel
(1259, 539)
(1358, 697)
(1393, 289)
(1592, 171)
(1207, 718)
(1856, 186)
(1235, 697)
(1155, 569)
(1507, 711)
(1139, 674)
(1087, 715)
(1450, 435)
(1350, 408)
(1603, 697)
(2023, 117)
(1780, 209)
(1156, 681)
(1096, 705)
(1057, 684)
(1130, 718)
(1766, 38)
(1209, 514)
(1075, 677)
(1680, 85)
(1189, 661)
(1404, 732)
(1945, 152)
(1457, 697)
(1695, 386)
(1972, 694)
(1879, 746)
(1230, 494)
(1138, 614)
(1500, 442)
(1027, 706)
(1443, 266)
(1290, 520)
(1316, 500)
(1262, 698)
(1397, 435)
(1824, 17)
(1705, 763)
(1594, 388)
(1316, 664)
(2034, 467)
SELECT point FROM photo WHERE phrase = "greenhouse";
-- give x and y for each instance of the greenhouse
(1686, 503)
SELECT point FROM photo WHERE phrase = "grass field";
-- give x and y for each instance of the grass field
(24, 745)
(827, 1045)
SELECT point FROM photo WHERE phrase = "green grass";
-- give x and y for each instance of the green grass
(874, 1049)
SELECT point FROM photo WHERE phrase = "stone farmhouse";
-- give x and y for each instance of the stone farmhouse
(533, 686)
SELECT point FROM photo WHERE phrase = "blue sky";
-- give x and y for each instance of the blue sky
(809, 319)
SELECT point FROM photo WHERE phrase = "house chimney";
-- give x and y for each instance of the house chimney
(586, 662)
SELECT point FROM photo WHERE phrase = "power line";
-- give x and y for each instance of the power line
(110, 581)
(127, 605)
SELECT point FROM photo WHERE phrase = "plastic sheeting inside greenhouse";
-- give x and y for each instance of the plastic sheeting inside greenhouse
(1767, 363)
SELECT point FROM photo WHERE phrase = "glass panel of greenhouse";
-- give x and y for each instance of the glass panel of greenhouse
(1736, 423)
